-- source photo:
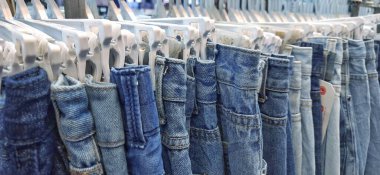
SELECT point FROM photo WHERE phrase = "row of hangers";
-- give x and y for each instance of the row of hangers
(44, 38)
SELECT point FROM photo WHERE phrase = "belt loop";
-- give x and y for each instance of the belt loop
(160, 69)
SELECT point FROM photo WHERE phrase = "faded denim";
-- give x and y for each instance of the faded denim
(76, 125)
(171, 89)
(30, 138)
(316, 75)
(348, 148)
(331, 142)
(110, 138)
(360, 92)
(238, 72)
(206, 149)
(373, 155)
(140, 116)
(304, 54)
(295, 106)
(274, 103)
(190, 91)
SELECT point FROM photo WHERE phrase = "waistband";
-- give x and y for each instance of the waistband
(238, 67)
(356, 49)
(303, 54)
(295, 81)
(370, 49)
(324, 40)
(278, 74)
(206, 80)
(317, 59)
(27, 111)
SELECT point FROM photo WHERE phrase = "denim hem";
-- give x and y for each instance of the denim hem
(296, 117)
(175, 142)
(276, 121)
(91, 83)
(358, 76)
(131, 70)
(72, 85)
(245, 120)
(27, 78)
(96, 169)
(205, 134)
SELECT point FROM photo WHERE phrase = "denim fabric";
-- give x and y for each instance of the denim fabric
(331, 142)
(316, 75)
(304, 54)
(274, 111)
(238, 72)
(4, 157)
(348, 148)
(76, 125)
(206, 149)
(171, 102)
(373, 155)
(29, 133)
(359, 88)
(110, 138)
(295, 103)
(377, 50)
(190, 91)
(140, 116)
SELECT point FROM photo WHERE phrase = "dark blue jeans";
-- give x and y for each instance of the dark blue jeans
(206, 149)
(141, 123)
(316, 75)
(31, 141)
(274, 107)
(171, 89)
(238, 73)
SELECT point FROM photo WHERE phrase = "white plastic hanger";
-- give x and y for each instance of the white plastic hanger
(188, 35)
(205, 26)
(255, 33)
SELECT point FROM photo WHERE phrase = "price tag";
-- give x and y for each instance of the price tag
(327, 99)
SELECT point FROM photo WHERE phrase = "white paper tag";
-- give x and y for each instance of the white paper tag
(327, 99)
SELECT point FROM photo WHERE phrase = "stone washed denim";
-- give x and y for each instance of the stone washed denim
(316, 74)
(274, 102)
(190, 91)
(373, 155)
(348, 148)
(377, 51)
(331, 143)
(304, 54)
(76, 125)
(30, 142)
(171, 89)
(140, 116)
(295, 103)
(290, 164)
(359, 88)
(206, 149)
(238, 72)
(110, 138)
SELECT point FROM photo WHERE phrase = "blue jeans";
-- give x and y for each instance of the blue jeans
(171, 89)
(238, 110)
(76, 125)
(295, 106)
(348, 148)
(29, 133)
(331, 142)
(206, 149)
(141, 122)
(316, 74)
(304, 54)
(274, 103)
(359, 88)
(373, 155)
(110, 138)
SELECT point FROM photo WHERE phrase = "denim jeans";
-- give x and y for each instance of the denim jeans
(316, 74)
(110, 138)
(190, 92)
(206, 149)
(373, 155)
(295, 106)
(359, 88)
(274, 102)
(171, 89)
(140, 116)
(4, 157)
(331, 142)
(238, 72)
(76, 125)
(348, 148)
(304, 54)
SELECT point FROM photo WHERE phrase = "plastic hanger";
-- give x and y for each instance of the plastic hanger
(53, 11)
(205, 26)
(253, 32)
(233, 38)
(188, 35)
(126, 12)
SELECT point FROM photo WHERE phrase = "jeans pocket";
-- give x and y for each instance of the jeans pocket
(242, 142)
